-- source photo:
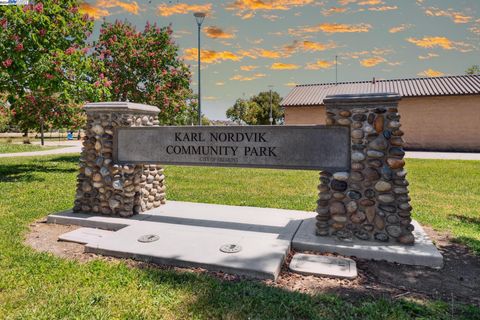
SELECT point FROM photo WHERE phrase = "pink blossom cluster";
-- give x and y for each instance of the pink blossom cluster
(7, 63)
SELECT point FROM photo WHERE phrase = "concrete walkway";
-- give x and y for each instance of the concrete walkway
(67, 147)
(442, 155)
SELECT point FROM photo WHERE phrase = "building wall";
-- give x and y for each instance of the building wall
(430, 123)
(305, 115)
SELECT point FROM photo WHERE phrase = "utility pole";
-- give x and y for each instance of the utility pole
(336, 69)
(199, 17)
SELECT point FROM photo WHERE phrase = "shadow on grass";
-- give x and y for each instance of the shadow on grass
(250, 299)
(27, 171)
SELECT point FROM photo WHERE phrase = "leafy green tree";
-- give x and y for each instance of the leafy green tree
(5, 114)
(144, 67)
(44, 66)
(475, 69)
(256, 110)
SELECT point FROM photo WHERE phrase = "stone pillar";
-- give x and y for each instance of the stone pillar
(104, 186)
(371, 201)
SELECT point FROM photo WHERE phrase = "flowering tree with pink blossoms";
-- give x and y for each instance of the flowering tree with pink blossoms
(45, 71)
(144, 67)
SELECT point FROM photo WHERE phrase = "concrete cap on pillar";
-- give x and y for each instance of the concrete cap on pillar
(363, 98)
(121, 107)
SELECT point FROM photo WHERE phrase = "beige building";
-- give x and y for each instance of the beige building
(441, 113)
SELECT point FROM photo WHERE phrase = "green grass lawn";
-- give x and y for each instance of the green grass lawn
(446, 195)
(13, 148)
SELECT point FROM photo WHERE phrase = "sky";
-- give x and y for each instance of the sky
(250, 46)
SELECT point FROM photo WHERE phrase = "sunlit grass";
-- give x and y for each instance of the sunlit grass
(14, 148)
(41, 286)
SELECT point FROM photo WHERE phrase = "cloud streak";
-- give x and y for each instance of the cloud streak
(319, 64)
(210, 56)
(330, 28)
(284, 66)
(400, 28)
(431, 73)
(251, 78)
(166, 10)
(455, 16)
(99, 9)
(372, 62)
(247, 8)
(215, 32)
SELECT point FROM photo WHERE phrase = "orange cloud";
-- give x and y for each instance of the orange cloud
(218, 33)
(210, 56)
(131, 7)
(99, 9)
(284, 66)
(271, 17)
(330, 11)
(431, 73)
(269, 54)
(247, 53)
(346, 2)
(266, 5)
(432, 42)
(371, 62)
(248, 68)
(383, 8)
(92, 11)
(429, 55)
(370, 2)
(243, 78)
(165, 10)
(317, 46)
(331, 28)
(400, 28)
(476, 28)
(319, 64)
(456, 16)
(291, 84)
(219, 83)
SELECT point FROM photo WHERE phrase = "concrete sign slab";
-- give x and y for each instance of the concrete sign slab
(324, 266)
(422, 253)
(286, 147)
(85, 235)
(253, 254)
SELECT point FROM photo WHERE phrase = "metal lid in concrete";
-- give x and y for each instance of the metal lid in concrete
(120, 106)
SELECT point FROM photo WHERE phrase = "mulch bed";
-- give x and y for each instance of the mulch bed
(457, 282)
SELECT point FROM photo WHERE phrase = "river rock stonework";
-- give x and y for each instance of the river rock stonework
(370, 202)
(105, 187)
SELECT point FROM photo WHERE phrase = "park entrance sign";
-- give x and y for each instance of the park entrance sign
(363, 190)
(285, 147)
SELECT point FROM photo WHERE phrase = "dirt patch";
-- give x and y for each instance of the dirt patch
(457, 282)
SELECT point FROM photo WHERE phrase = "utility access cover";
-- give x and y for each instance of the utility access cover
(324, 266)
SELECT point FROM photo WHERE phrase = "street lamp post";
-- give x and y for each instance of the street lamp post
(199, 16)
(270, 114)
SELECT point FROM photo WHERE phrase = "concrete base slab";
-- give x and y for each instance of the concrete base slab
(422, 253)
(191, 234)
(336, 267)
(85, 235)
(261, 254)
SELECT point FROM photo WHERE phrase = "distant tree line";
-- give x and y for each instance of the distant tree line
(256, 109)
